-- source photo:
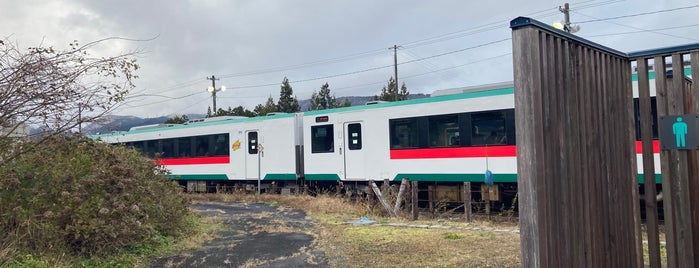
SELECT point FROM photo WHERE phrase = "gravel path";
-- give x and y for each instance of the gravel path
(257, 235)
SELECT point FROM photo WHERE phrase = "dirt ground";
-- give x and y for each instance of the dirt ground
(256, 235)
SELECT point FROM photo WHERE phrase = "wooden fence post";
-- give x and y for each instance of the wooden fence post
(399, 198)
(467, 201)
(383, 201)
(430, 197)
(414, 200)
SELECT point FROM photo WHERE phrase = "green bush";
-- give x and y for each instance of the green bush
(76, 196)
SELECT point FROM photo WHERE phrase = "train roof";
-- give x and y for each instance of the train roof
(476, 92)
(194, 123)
(505, 88)
(460, 90)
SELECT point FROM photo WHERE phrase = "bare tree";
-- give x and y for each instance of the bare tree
(57, 90)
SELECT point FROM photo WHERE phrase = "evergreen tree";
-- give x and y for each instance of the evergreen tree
(346, 103)
(221, 112)
(177, 119)
(269, 107)
(389, 92)
(404, 93)
(240, 111)
(323, 100)
(287, 102)
(208, 112)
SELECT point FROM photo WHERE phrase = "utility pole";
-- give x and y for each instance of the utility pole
(566, 16)
(395, 70)
(213, 90)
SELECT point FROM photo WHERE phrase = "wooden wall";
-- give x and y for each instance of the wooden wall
(575, 151)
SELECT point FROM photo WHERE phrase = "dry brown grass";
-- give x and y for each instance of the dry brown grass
(382, 246)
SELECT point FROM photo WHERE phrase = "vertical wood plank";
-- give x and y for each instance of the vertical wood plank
(527, 84)
(694, 181)
(662, 110)
(651, 205)
(680, 183)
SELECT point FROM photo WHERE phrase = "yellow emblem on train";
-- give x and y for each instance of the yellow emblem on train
(236, 145)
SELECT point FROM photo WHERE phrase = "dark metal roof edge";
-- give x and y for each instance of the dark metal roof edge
(663, 51)
(525, 21)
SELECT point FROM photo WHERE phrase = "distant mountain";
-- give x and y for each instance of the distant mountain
(125, 122)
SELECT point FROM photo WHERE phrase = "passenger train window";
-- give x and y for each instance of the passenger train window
(488, 128)
(184, 147)
(168, 148)
(354, 136)
(444, 131)
(322, 139)
(252, 142)
(221, 147)
(201, 146)
(404, 133)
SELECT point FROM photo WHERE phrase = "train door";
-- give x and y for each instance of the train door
(353, 151)
(251, 161)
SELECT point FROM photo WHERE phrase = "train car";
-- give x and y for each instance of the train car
(452, 136)
(222, 150)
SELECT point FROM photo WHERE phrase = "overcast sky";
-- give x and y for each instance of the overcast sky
(253, 44)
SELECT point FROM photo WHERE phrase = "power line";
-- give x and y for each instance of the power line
(163, 96)
(377, 68)
(495, 25)
(302, 65)
(422, 42)
(639, 14)
(650, 30)
(643, 30)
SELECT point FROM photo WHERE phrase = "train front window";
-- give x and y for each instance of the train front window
(404, 133)
(444, 131)
(488, 128)
(322, 139)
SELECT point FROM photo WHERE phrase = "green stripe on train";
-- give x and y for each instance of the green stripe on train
(222, 177)
(641, 178)
(199, 177)
(479, 177)
(464, 177)
(322, 177)
(651, 75)
(280, 177)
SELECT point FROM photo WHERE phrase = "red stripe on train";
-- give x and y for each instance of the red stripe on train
(455, 152)
(466, 152)
(195, 160)
(656, 147)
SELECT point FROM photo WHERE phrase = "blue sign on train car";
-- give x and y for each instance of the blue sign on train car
(679, 132)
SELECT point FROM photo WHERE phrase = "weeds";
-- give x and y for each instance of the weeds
(73, 196)
(451, 236)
